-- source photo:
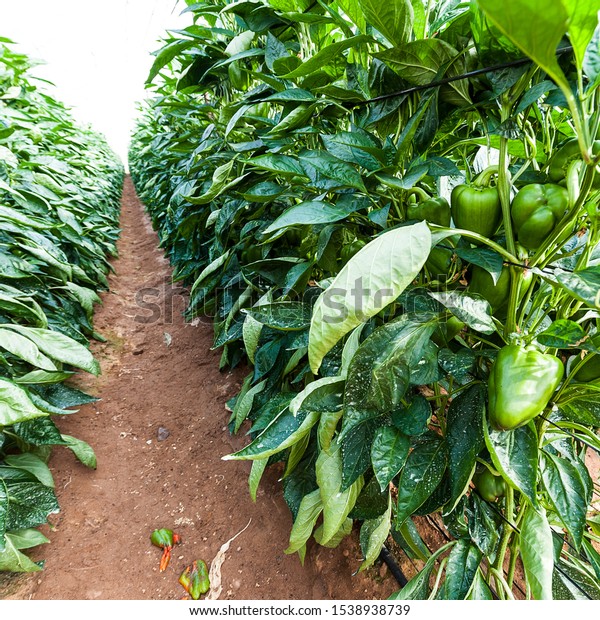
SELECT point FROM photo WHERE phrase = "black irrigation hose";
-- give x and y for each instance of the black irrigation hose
(449, 80)
(390, 562)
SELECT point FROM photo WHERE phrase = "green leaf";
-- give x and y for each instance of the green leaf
(480, 591)
(337, 538)
(417, 589)
(413, 420)
(311, 507)
(326, 55)
(82, 450)
(356, 148)
(283, 315)
(483, 257)
(562, 334)
(60, 347)
(483, 524)
(379, 373)
(337, 504)
(30, 503)
(462, 567)
(33, 464)
(283, 432)
(474, 311)
(25, 539)
(392, 19)
(16, 405)
(537, 553)
(388, 454)
(371, 280)
(581, 403)
(583, 19)
(515, 456)
(464, 434)
(166, 54)
(534, 26)
(328, 172)
(421, 475)
(282, 164)
(584, 285)
(373, 534)
(258, 468)
(251, 334)
(422, 62)
(25, 349)
(3, 512)
(11, 559)
(312, 212)
(567, 494)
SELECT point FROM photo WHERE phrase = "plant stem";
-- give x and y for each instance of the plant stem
(507, 531)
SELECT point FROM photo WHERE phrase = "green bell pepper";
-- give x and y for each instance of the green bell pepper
(489, 486)
(590, 371)
(497, 294)
(439, 262)
(477, 207)
(562, 158)
(434, 210)
(350, 249)
(536, 210)
(521, 383)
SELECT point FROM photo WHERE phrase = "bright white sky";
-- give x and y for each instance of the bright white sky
(97, 53)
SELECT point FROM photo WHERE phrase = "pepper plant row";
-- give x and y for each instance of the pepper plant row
(413, 280)
(59, 197)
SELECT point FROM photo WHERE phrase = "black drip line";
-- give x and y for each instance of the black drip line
(448, 80)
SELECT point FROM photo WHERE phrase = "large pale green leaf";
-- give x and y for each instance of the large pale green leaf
(534, 26)
(60, 347)
(392, 18)
(583, 19)
(371, 280)
(15, 404)
(537, 553)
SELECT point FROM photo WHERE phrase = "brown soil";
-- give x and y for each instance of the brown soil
(158, 371)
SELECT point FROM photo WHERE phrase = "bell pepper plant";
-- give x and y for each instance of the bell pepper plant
(405, 359)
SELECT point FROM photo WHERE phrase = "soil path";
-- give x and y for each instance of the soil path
(158, 372)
